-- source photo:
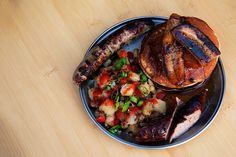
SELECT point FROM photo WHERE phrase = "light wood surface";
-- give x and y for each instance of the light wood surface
(42, 42)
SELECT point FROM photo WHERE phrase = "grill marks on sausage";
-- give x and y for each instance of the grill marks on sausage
(104, 50)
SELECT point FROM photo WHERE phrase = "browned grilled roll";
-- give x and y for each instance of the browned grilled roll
(168, 62)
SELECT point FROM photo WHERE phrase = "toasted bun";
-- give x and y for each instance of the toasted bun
(150, 57)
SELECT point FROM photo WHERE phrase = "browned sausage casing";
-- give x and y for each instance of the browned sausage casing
(103, 51)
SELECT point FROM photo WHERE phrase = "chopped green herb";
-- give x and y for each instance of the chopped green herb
(140, 103)
(143, 78)
(117, 98)
(134, 99)
(108, 87)
(124, 74)
(118, 126)
(125, 106)
(123, 61)
(118, 65)
(117, 104)
(115, 129)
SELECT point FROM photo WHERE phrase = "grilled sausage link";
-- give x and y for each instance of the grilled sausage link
(104, 50)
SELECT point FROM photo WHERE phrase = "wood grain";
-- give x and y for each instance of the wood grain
(42, 42)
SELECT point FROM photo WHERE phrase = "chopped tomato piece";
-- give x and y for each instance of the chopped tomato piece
(103, 80)
(160, 95)
(101, 119)
(145, 103)
(129, 67)
(153, 100)
(116, 87)
(138, 93)
(122, 54)
(131, 117)
(128, 89)
(123, 81)
(134, 68)
(109, 102)
(106, 93)
(96, 93)
(115, 122)
(133, 110)
(150, 100)
(120, 115)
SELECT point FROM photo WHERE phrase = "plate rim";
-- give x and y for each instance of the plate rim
(104, 130)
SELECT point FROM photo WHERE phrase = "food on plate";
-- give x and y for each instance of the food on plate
(126, 100)
(196, 42)
(125, 95)
(188, 115)
(156, 128)
(179, 53)
(104, 50)
(172, 53)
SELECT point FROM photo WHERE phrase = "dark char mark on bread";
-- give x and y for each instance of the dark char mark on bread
(196, 42)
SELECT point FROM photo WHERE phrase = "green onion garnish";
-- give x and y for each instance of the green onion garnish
(117, 98)
(124, 74)
(117, 104)
(108, 87)
(115, 129)
(123, 61)
(120, 63)
(140, 103)
(143, 78)
(134, 99)
(126, 106)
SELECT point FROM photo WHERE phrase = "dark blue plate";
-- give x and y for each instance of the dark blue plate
(215, 85)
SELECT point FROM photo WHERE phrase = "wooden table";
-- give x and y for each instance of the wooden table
(41, 43)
